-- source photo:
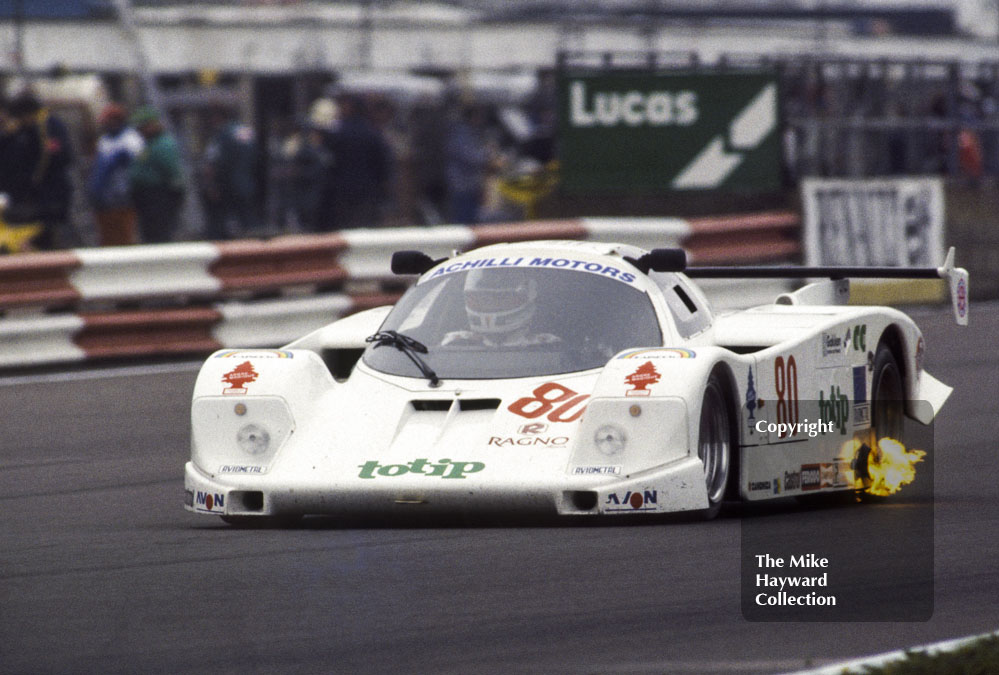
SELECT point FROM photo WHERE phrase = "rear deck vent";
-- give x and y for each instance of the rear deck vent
(468, 404)
(432, 405)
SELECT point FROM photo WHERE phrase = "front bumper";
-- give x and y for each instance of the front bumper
(678, 486)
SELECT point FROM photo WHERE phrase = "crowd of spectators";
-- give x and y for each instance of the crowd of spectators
(134, 187)
(349, 164)
(357, 161)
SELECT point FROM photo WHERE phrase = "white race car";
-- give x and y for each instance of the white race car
(559, 377)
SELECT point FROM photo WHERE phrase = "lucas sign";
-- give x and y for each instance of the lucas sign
(655, 132)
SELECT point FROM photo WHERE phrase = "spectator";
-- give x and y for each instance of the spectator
(429, 131)
(309, 162)
(37, 156)
(108, 188)
(230, 187)
(155, 179)
(358, 179)
(467, 160)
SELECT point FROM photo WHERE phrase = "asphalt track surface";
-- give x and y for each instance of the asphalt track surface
(101, 570)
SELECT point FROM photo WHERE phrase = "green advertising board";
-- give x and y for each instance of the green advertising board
(655, 132)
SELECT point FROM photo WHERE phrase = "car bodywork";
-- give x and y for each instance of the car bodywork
(602, 418)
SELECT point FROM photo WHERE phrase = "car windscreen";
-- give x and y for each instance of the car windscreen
(517, 322)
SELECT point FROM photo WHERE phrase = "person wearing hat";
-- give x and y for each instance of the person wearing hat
(108, 187)
(155, 178)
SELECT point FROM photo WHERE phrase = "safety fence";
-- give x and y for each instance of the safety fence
(192, 298)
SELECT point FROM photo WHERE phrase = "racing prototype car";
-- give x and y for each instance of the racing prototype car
(562, 377)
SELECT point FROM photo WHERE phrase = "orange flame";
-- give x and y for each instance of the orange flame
(891, 466)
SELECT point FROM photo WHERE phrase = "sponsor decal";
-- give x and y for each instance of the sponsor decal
(831, 474)
(240, 468)
(645, 376)
(209, 501)
(751, 400)
(920, 354)
(596, 471)
(631, 501)
(255, 354)
(841, 344)
(831, 344)
(811, 477)
(962, 298)
(759, 485)
(556, 441)
(631, 108)
(239, 377)
(556, 263)
(776, 483)
(835, 408)
(189, 498)
(533, 428)
(792, 480)
(861, 407)
(859, 340)
(555, 402)
(659, 353)
(443, 468)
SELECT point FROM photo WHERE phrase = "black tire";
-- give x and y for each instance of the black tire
(714, 445)
(887, 396)
(887, 411)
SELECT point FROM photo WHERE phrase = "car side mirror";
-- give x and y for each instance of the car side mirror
(412, 262)
(661, 260)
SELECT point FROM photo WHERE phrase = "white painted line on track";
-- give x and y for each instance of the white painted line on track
(877, 660)
(101, 373)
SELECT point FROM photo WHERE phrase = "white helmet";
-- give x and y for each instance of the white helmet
(499, 300)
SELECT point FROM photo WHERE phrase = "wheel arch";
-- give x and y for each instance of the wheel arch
(893, 338)
(723, 371)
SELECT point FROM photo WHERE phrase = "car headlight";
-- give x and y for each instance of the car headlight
(610, 439)
(253, 439)
(240, 437)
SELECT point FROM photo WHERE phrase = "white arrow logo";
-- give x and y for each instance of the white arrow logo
(713, 164)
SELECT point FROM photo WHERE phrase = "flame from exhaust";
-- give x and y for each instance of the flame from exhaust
(889, 466)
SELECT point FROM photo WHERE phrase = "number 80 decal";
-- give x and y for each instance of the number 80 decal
(786, 384)
(544, 400)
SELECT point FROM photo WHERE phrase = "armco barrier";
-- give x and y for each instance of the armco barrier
(192, 298)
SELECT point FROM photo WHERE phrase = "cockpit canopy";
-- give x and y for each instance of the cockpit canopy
(512, 319)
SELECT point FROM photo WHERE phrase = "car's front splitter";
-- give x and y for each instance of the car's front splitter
(678, 486)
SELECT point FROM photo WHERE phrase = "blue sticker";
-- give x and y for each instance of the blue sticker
(860, 384)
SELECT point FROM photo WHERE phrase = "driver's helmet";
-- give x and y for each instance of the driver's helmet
(499, 301)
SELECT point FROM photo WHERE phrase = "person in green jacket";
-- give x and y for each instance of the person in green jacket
(156, 180)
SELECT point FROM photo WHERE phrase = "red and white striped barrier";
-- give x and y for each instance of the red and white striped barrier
(196, 297)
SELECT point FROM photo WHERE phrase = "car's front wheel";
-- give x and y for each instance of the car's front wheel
(714, 444)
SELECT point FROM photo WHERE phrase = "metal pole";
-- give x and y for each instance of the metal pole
(193, 214)
(19, 40)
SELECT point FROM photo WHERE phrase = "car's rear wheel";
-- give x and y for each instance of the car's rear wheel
(714, 444)
(887, 411)
(887, 396)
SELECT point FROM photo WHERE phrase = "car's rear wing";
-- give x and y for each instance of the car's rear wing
(674, 260)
